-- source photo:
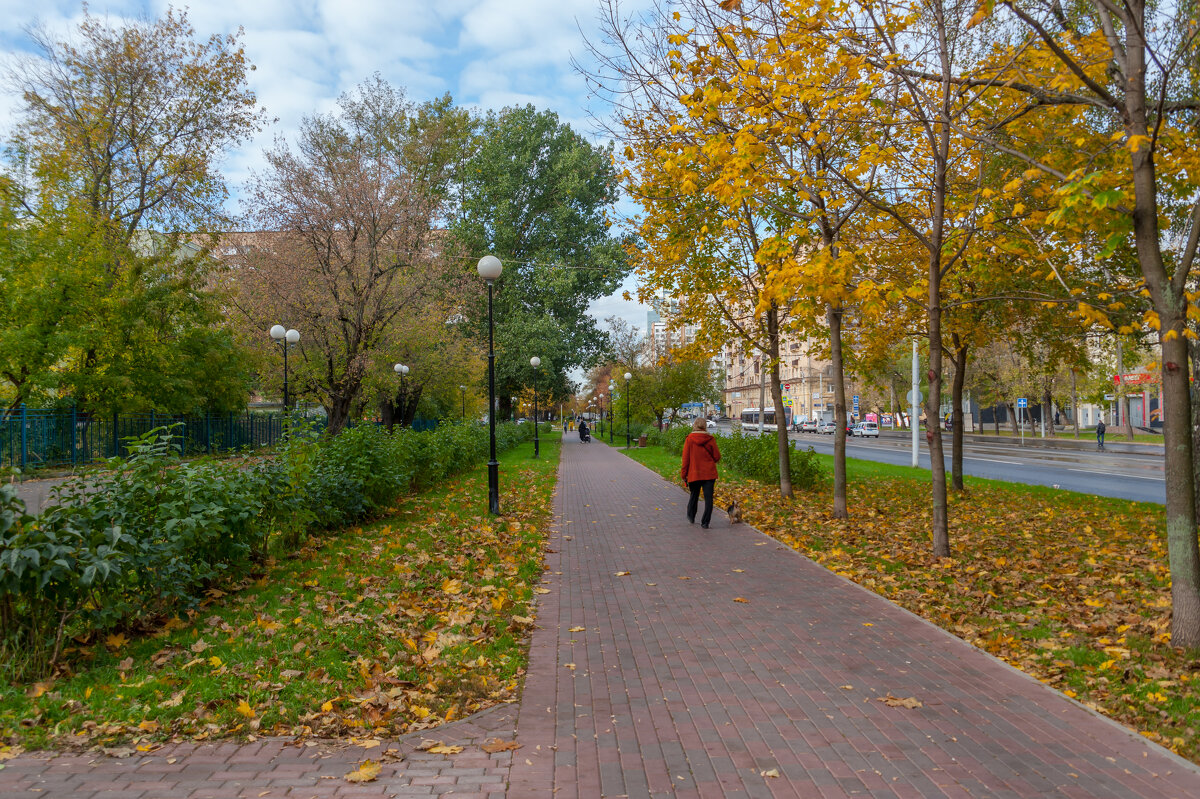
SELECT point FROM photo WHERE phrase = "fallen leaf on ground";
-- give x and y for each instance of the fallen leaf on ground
(895, 701)
(497, 745)
(774, 772)
(576, 629)
(621, 574)
(570, 666)
(540, 591)
(443, 749)
(367, 772)
(846, 687)
(740, 599)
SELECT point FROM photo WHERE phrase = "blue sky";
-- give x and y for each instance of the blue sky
(485, 53)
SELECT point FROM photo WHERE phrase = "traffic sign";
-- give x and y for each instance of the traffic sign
(856, 405)
(1022, 402)
(915, 397)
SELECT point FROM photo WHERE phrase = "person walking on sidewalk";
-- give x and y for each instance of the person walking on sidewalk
(699, 469)
(1100, 428)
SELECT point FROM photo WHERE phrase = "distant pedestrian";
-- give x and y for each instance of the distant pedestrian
(1100, 428)
(584, 434)
(699, 470)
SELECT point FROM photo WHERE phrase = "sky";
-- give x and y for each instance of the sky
(487, 54)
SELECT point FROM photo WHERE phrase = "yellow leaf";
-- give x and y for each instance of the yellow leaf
(496, 745)
(245, 709)
(116, 641)
(895, 701)
(326, 707)
(452, 586)
(774, 772)
(148, 726)
(740, 599)
(576, 629)
(367, 772)
(215, 662)
(443, 749)
(540, 591)
(621, 574)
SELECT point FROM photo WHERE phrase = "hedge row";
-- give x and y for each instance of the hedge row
(756, 457)
(151, 534)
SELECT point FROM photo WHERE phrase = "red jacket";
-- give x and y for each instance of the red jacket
(700, 456)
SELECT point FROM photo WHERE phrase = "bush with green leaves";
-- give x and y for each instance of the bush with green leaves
(755, 456)
(150, 534)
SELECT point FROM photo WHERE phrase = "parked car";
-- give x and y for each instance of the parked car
(855, 429)
(867, 430)
(808, 426)
(712, 425)
(827, 427)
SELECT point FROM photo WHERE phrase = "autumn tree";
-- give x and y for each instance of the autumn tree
(347, 251)
(114, 167)
(1130, 70)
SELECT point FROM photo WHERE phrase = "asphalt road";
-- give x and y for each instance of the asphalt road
(1126, 471)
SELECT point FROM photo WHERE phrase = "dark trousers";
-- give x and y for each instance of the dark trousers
(694, 488)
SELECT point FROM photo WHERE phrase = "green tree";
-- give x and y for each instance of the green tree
(114, 173)
(535, 193)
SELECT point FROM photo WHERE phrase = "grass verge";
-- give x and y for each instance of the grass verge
(400, 625)
(1072, 588)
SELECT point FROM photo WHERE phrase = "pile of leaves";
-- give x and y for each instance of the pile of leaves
(1070, 588)
(399, 626)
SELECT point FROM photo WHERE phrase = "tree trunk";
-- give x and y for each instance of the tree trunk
(1194, 352)
(338, 414)
(387, 413)
(834, 318)
(1048, 411)
(1122, 403)
(996, 406)
(933, 435)
(956, 414)
(781, 433)
(1075, 403)
(1012, 416)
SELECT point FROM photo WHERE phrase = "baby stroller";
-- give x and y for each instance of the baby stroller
(585, 435)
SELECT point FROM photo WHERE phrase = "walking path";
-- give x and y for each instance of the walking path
(710, 663)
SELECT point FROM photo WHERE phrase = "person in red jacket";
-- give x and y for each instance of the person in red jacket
(699, 469)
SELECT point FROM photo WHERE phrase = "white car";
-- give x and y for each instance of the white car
(808, 426)
(712, 425)
(866, 429)
(827, 427)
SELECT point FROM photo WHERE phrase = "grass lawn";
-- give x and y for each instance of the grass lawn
(417, 619)
(1071, 588)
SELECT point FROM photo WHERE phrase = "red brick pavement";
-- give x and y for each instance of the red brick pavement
(274, 769)
(673, 688)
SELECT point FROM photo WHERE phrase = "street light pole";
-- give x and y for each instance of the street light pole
(535, 362)
(402, 370)
(610, 411)
(628, 401)
(489, 269)
(285, 338)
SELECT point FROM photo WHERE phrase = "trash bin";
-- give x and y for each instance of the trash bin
(641, 441)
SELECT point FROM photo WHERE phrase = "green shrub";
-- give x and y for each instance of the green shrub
(150, 535)
(756, 457)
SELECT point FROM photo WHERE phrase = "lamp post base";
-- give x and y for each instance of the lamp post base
(494, 488)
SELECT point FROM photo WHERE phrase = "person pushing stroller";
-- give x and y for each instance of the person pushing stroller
(585, 435)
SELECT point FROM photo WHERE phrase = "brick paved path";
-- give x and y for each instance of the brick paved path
(275, 768)
(673, 688)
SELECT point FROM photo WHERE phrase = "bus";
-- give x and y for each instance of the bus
(749, 419)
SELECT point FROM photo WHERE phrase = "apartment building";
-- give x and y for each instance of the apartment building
(806, 378)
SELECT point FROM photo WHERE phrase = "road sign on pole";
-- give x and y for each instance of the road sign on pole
(915, 397)
(1022, 402)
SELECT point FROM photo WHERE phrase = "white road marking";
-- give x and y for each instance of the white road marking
(1116, 474)
(992, 460)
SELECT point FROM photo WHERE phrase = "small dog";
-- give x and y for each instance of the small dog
(735, 512)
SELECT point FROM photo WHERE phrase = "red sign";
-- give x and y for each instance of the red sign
(1134, 379)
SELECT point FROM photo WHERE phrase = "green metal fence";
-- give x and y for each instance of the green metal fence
(37, 438)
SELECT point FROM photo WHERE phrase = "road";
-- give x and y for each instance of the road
(1125, 471)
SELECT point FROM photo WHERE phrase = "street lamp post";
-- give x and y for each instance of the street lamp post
(628, 401)
(402, 370)
(601, 414)
(286, 338)
(463, 391)
(489, 269)
(535, 362)
(610, 412)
